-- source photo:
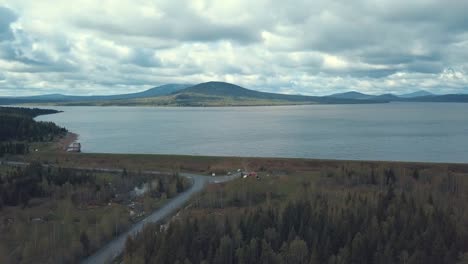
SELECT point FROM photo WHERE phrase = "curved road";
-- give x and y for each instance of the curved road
(107, 253)
(115, 247)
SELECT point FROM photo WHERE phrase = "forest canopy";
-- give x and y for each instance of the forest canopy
(340, 216)
(18, 128)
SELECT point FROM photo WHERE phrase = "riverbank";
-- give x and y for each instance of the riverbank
(63, 143)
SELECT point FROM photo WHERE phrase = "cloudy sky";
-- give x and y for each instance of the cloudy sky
(299, 46)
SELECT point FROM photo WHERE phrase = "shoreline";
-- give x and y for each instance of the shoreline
(194, 106)
(62, 144)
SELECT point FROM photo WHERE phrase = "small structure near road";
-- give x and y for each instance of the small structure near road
(252, 174)
(74, 147)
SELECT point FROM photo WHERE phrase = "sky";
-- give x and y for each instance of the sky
(297, 46)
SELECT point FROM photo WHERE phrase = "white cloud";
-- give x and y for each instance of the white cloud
(334, 62)
(308, 47)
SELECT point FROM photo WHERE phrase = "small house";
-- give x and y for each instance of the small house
(74, 147)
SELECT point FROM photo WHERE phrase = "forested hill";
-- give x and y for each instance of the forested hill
(61, 98)
(18, 128)
(216, 93)
(203, 94)
(225, 94)
(222, 90)
(232, 90)
(31, 112)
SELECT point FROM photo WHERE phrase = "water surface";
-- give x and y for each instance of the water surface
(435, 132)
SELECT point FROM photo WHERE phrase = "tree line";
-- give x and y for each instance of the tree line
(393, 230)
(19, 128)
(31, 112)
(60, 215)
(25, 128)
(344, 216)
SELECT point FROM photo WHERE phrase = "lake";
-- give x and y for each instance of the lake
(433, 132)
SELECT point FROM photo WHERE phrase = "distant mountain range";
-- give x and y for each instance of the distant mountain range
(225, 94)
(418, 96)
(385, 97)
(419, 93)
(352, 95)
(56, 98)
(226, 91)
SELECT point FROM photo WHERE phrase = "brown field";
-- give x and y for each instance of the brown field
(221, 165)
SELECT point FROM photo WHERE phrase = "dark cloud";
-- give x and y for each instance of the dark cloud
(394, 56)
(179, 25)
(425, 67)
(7, 16)
(411, 36)
(377, 73)
(144, 58)
(300, 46)
(31, 58)
(7, 51)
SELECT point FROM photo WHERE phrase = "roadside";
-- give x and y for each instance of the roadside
(66, 213)
(114, 248)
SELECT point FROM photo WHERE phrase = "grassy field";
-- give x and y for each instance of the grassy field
(221, 165)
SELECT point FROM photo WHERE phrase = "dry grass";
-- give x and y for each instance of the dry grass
(207, 164)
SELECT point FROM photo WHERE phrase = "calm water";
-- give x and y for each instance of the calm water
(396, 131)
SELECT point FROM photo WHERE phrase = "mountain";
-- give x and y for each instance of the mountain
(225, 94)
(387, 97)
(221, 89)
(60, 98)
(222, 93)
(446, 98)
(362, 96)
(158, 91)
(352, 95)
(224, 89)
(45, 97)
(418, 96)
(419, 93)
